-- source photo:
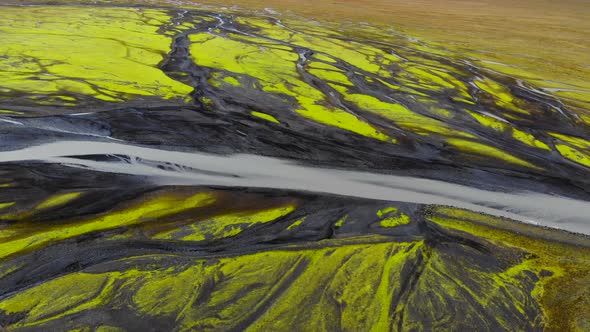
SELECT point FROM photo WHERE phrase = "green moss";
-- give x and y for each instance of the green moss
(402, 116)
(110, 54)
(387, 210)
(480, 149)
(340, 222)
(265, 116)
(295, 224)
(58, 200)
(389, 222)
(574, 154)
(225, 225)
(501, 94)
(10, 112)
(20, 240)
(6, 204)
(280, 78)
(500, 126)
(567, 260)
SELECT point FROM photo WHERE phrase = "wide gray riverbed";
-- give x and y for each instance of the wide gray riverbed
(164, 167)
